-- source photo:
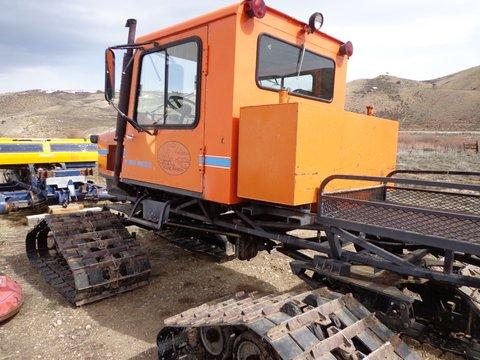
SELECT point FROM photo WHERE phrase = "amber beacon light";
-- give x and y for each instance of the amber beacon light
(255, 8)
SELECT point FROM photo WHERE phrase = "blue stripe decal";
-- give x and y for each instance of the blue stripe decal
(102, 152)
(139, 163)
(216, 161)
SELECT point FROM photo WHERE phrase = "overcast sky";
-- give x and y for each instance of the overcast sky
(59, 44)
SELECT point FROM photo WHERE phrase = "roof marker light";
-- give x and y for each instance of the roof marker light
(255, 8)
(346, 49)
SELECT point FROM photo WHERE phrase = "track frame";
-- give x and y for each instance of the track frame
(377, 245)
(377, 263)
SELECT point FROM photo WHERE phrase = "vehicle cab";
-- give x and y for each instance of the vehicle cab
(214, 104)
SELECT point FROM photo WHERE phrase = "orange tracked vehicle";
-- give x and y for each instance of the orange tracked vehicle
(231, 132)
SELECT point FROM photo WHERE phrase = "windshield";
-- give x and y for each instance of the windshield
(169, 86)
(282, 66)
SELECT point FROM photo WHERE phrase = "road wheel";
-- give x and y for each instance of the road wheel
(212, 340)
(248, 346)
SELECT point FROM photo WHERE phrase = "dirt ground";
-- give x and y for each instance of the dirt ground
(125, 327)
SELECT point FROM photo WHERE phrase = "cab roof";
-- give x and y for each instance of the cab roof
(216, 15)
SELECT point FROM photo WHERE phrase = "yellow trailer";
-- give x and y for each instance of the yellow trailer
(23, 151)
(46, 171)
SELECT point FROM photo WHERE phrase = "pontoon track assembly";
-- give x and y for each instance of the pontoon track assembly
(87, 256)
(318, 324)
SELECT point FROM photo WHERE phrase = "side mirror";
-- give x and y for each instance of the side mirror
(109, 75)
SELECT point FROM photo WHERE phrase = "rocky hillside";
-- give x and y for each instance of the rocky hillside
(445, 104)
(448, 103)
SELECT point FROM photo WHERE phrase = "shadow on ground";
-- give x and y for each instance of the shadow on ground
(19, 218)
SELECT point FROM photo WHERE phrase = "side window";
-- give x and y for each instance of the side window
(168, 89)
(182, 84)
(299, 83)
(294, 83)
(283, 65)
(151, 99)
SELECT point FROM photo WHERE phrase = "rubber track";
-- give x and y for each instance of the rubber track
(87, 256)
(318, 324)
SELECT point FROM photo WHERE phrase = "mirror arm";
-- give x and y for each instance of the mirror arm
(129, 46)
(135, 125)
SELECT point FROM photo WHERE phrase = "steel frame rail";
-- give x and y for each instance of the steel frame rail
(342, 228)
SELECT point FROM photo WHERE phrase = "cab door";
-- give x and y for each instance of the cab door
(168, 87)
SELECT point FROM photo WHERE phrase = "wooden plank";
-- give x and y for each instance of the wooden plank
(33, 220)
(59, 209)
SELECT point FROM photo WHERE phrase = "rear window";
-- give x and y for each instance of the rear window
(284, 66)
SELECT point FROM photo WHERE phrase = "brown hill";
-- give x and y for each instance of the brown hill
(464, 80)
(54, 114)
(445, 104)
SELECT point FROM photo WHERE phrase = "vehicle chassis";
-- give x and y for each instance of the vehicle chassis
(391, 234)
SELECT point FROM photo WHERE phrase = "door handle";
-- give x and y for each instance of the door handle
(129, 137)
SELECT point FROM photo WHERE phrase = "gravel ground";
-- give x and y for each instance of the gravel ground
(125, 327)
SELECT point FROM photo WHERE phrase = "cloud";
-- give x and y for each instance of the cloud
(418, 48)
(55, 44)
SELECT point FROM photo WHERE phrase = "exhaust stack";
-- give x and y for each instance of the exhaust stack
(123, 103)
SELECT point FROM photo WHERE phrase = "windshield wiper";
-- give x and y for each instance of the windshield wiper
(300, 61)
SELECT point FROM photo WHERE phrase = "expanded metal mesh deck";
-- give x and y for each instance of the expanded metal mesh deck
(409, 207)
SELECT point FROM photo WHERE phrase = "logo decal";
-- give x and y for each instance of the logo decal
(174, 158)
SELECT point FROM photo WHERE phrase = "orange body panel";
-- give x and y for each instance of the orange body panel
(106, 139)
(287, 150)
(208, 153)
(221, 128)
(171, 157)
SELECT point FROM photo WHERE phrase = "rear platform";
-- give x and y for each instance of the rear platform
(443, 217)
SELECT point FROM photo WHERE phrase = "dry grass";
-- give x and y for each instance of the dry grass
(439, 141)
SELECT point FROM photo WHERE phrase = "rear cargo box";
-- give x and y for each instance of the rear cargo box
(287, 150)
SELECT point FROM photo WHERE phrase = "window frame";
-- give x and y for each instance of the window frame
(198, 41)
(259, 85)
